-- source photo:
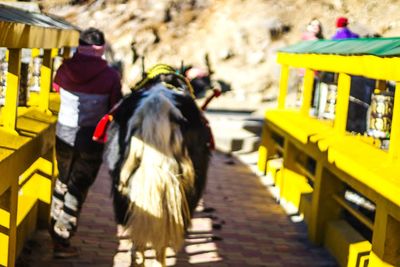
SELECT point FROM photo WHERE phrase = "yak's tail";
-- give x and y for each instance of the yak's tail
(160, 174)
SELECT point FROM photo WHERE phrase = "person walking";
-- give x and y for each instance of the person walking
(88, 88)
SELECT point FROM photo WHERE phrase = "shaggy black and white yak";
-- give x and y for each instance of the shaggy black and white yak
(158, 150)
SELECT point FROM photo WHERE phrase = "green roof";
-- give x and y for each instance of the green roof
(381, 47)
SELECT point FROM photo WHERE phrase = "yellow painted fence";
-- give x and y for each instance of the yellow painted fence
(321, 162)
(27, 136)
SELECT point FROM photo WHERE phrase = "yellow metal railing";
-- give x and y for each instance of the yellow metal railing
(27, 136)
(342, 161)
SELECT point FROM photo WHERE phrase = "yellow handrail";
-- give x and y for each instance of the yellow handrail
(342, 160)
(27, 134)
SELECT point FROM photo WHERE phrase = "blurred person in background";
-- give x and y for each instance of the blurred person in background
(313, 31)
(361, 88)
(342, 30)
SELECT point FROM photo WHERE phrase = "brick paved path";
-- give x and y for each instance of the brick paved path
(247, 228)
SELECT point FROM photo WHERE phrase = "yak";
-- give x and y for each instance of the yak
(157, 150)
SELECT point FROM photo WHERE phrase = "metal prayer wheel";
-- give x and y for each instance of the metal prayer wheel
(34, 81)
(330, 104)
(57, 61)
(299, 94)
(23, 84)
(3, 80)
(380, 114)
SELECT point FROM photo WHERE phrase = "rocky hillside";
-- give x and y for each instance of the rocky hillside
(240, 36)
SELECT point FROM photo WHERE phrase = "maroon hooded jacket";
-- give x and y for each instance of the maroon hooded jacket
(88, 89)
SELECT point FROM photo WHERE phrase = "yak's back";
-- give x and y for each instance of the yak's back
(195, 131)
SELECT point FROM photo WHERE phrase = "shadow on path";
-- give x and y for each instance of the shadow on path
(238, 224)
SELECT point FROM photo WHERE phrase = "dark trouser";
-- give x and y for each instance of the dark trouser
(77, 172)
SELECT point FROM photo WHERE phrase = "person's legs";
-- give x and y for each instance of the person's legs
(83, 172)
(65, 158)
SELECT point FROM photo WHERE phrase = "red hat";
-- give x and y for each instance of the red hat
(341, 22)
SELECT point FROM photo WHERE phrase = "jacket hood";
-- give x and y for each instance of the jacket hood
(81, 69)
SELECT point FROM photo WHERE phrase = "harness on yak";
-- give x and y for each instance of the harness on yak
(158, 73)
(170, 78)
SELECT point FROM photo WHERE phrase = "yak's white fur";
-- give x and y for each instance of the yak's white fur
(157, 173)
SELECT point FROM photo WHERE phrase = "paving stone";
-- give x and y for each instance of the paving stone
(254, 230)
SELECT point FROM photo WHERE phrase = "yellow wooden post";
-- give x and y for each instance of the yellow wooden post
(342, 102)
(289, 158)
(283, 86)
(11, 100)
(36, 60)
(308, 84)
(66, 52)
(48, 166)
(380, 85)
(385, 239)
(263, 151)
(35, 52)
(375, 261)
(12, 241)
(323, 207)
(266, 149)
(358, 252)
(46, 79)
(394, 149)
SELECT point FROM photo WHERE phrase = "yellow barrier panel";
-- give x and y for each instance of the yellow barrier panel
(45, 80)
(265, 151)
(18, 200)
(274, 168)
(342, 105)
(341, 160)
(375, 261)
(394, 149)
(4, 218)
(381, 68)
(283, 86)
(41, 165)
(36, 185)
(293, 186)
(262, 158)
(12, 232)
(36, 181)
(35, 52)
(345, 244)
(359, 254)
(27, 134)
(3, 249)
(308, 90)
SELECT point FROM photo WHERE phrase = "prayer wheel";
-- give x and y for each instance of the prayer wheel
(330, 105)
(3, 80)
(380, 114)
(23, 93)
(34, 83)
